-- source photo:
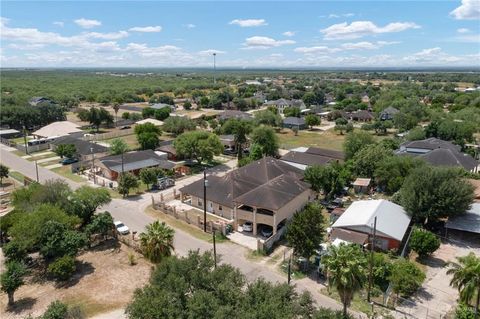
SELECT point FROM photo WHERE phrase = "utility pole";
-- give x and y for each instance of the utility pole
(214, 68)
(36, 171)
(93, 164)
(289, 270)
(214, 248)
(370, 275)
(25, 139)
(205, 184)
(123, 170)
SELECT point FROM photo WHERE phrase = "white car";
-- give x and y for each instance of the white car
(121, 228)
(248, 226)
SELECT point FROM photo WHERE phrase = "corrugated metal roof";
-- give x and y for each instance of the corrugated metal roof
(392, 220)
(469, 222)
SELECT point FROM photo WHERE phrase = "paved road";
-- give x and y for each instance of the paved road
(132, 212)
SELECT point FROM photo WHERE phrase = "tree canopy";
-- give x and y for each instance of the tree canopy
(199, 145)
(265, 137)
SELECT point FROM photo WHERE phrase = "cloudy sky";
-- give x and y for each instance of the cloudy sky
(243, 33)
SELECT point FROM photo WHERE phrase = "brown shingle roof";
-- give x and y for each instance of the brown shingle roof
(265, 183)
(349, 235)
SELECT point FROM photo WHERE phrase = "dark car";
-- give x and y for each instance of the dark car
(68, 161)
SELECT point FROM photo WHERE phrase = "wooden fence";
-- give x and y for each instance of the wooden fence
(109, 135)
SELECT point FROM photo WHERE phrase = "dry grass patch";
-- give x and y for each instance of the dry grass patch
(324, 139)
(104, 281)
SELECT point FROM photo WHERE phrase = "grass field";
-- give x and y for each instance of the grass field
(327, 139)
(192, 230)
(65, 171)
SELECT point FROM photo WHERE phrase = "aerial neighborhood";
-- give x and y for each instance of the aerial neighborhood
(218, 192)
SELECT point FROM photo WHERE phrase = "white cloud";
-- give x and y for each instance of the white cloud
(59, 23)
(258, 42)
(107, 36)
(87, 24)
(434, 56)
(190, 26)
(358, 29)
(473, 38)
(468, 10)
(289, 33)
(209, 52)
(365, 45)
(345, 15)
(244, 23)
(26, 46)
(463, 30)
(316, 50)
(148, 29)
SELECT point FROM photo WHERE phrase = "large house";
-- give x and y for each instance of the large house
(112, 166)
(305, 157)
(266, 192)
(356, 224)
(281, 104)
(439, 153)
(58, 129)
(85, 150)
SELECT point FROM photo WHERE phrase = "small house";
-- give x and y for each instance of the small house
(362, 185)
(388, 113)
(294, 122)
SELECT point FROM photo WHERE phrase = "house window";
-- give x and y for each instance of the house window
(219, 207)
(199, 202)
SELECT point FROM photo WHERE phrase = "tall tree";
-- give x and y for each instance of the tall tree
(148, 135)
(265, 137)
(405, 277)
(429, 193)
(466, 278)
(12, 279)
(116, 108)
(306, 230)
(331, 179)
(355, 141)
(126, 182)
(178, 124)
(66, 150)
(157, 241)
(148, 176)
(85, 201)
(199, 145)
(346, 268)
(368, 158)
(96, 116)
(312, 120)
(118, 146)
(3, 173)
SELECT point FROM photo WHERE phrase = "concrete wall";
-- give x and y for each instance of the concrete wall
(213, 207)
(293, 206)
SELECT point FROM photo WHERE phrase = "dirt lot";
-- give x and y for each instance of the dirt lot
(104, 281)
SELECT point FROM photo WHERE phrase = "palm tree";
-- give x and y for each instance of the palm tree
(466, 278)
(116, 108)
(346, 268)
(157, 241)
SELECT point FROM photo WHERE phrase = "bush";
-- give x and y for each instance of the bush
(62, 268)
(14, 250)
(406, 277)
(424, 242)
(464, 312)
(56, 310)
(326, 313)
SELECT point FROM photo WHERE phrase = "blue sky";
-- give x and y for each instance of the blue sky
(243, 34)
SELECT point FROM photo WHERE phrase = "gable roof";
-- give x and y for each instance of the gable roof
(135, 160)
(326, 152)
(229, 114)
(431, 144)
(82, 147)
(390, 111)
(470, 221)
(449, 157)
(392, 220)
(152, 121)
(268, 183)
(60, 128)
(306, 158)
(291, 120)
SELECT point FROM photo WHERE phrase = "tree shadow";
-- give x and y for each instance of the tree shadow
(109, 244)
(432, 262)
(423, 294)
(83, 269)
(22, 305)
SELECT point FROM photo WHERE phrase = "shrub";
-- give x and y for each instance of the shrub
(14, 250)
(424, 242)
(406, 277)
(56, 310)
(464, 312)
(131, 259)
(62, 268)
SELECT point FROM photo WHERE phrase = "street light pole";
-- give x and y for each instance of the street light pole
(36, 171)
(214, 68)
(370, 276)
(205, 183)
(25, 139)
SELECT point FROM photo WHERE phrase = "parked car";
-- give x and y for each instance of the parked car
(121, 228)
(67, 161)
(126, 127)
(165, 182)
(266, 231)
(248, 226)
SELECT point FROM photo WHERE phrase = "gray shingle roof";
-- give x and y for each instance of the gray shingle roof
(135, 160)
(448, 157)
(470, 221)
(83, 147)
(294, 121)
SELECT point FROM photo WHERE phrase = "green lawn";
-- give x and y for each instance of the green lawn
(16, 175)
(178, 224)
(327, 139)
(131, 141)
(65, 171)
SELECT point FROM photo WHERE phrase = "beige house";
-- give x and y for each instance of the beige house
(266, 192)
